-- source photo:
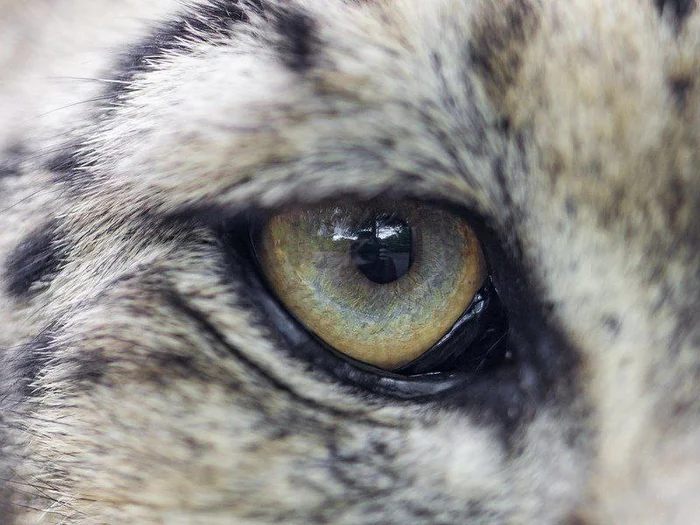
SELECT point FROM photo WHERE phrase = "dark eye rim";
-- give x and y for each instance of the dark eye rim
(482, 327)
(411, 382)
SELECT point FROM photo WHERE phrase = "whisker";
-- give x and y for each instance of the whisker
(67, 106)
(25, 199)
(91, 79)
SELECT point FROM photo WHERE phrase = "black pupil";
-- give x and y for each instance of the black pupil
(383, 249)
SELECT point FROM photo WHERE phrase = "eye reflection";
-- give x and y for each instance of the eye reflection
(383, 251)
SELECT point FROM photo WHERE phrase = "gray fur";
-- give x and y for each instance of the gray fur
(141, 385)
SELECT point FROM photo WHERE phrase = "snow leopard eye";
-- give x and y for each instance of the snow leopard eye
(397, 285)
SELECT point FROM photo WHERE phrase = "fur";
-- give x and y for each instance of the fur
(142, 379)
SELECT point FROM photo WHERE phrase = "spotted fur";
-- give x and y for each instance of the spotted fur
(145, 375)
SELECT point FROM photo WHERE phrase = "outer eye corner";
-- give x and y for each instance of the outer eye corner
(397, 288)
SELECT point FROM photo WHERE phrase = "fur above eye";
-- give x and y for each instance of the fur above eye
(389, 284)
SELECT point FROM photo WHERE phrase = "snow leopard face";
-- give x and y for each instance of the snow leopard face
(350, 262)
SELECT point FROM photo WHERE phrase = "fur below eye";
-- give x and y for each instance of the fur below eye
(379, 282)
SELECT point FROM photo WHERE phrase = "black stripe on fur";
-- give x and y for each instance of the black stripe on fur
(10, 161)
(298, 38)
(35, 260)
(205, 23)
(678, 9)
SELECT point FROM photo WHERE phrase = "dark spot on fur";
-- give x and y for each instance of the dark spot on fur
(10, 161)
(63, 163)
(677, 9)
(501, 178)
(34, 356)
(571, 207)
(436, 61)
(70, 169)
(594, 169)
(612, 323)
(167, 366)
(278, 433)
(92, 372)
(612, 213)
(503, 125)
(675, 204)
(42, 352)
(499, 40)
(34, 260)
(298, 39)
(6, 171)
(182, 362)
(680, 88)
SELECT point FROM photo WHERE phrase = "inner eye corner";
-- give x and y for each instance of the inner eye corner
(334, 283)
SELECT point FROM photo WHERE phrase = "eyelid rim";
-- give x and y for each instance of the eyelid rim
(299, 343)
(474, 329)
(304, 345)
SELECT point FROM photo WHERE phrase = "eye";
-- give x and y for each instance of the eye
(400, 286)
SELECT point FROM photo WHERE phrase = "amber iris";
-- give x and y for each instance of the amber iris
(380, 282)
